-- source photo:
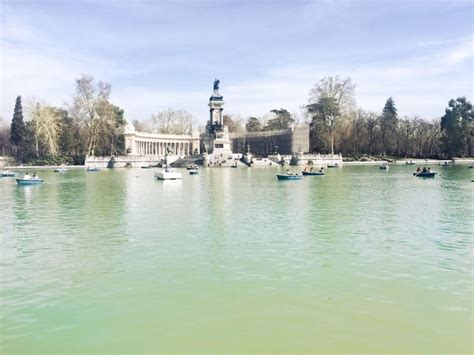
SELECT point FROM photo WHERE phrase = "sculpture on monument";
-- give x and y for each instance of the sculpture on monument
(217, 136)
(216, 86)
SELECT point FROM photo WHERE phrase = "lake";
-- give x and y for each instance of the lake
(232, 260)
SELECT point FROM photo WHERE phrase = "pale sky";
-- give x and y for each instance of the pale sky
(267, 54)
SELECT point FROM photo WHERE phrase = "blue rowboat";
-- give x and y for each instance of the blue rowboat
(312, 173)
(7, 174)
(29, 181)
(289, 177)
(425, 174)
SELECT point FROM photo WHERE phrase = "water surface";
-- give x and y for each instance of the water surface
(233, 260)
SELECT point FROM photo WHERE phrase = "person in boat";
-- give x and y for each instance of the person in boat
(288, 172)
(321, 170)
(306, 168)
(311, 170)
(424, 170)
(35, 176)
(418, 170)
(429, 169)
(27, 176)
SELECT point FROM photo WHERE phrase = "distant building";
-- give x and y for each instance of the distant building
(291, 141)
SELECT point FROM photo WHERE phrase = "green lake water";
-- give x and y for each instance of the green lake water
(232, 260)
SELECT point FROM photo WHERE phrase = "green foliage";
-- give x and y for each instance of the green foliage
(70, 136)
(111, 141)
(282, 120)
(253, 125)
(18, 128)
(27, 149)
(233, 124)
(388, 123)
(457, 127)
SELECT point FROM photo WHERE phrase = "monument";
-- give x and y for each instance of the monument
(217, 140)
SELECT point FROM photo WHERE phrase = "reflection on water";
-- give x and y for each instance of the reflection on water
(234, 260)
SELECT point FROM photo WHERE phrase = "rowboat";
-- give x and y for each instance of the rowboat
(194, 172)
(445, 164)
(7, 174)
(409, 162)
(168, 174)
(289, 177)
(333, 165)
(384, 166)
(60, 170)
(146, 166)
(312, 173)
(31, 181)
(92, 169)
(429, 174)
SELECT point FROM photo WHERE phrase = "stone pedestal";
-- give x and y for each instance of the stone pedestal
(217, 142)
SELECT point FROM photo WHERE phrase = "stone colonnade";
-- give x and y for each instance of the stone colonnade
(161, 148)
(149, 144)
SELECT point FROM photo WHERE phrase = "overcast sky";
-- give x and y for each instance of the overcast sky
(267, 54)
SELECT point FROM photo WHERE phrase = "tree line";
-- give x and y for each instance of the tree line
(338, 125)
(92, 125)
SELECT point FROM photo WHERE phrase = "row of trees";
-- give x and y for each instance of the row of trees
(167, 122)
(337, 125)
(90, 125)
(336, 120)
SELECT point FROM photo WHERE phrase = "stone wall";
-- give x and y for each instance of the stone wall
(122, 161)
(290, 141)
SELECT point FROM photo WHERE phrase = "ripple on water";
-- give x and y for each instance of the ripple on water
(235, 254)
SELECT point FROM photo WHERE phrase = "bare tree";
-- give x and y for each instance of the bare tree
(331, 99)
(358, 130)
(47, 123)
(91, 108)
(172, 122)
(372, 121)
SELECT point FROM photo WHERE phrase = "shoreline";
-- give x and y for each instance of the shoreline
(415, 162)
(459, 161)
(41, 167)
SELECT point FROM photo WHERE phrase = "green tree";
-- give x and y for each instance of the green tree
(457, 127)
(111, 140)
(18, 128)
(253, 125)
(326, 110)
(27, 149)
(388, 123)
(233, 123)
(69, 136)
(282, 120)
